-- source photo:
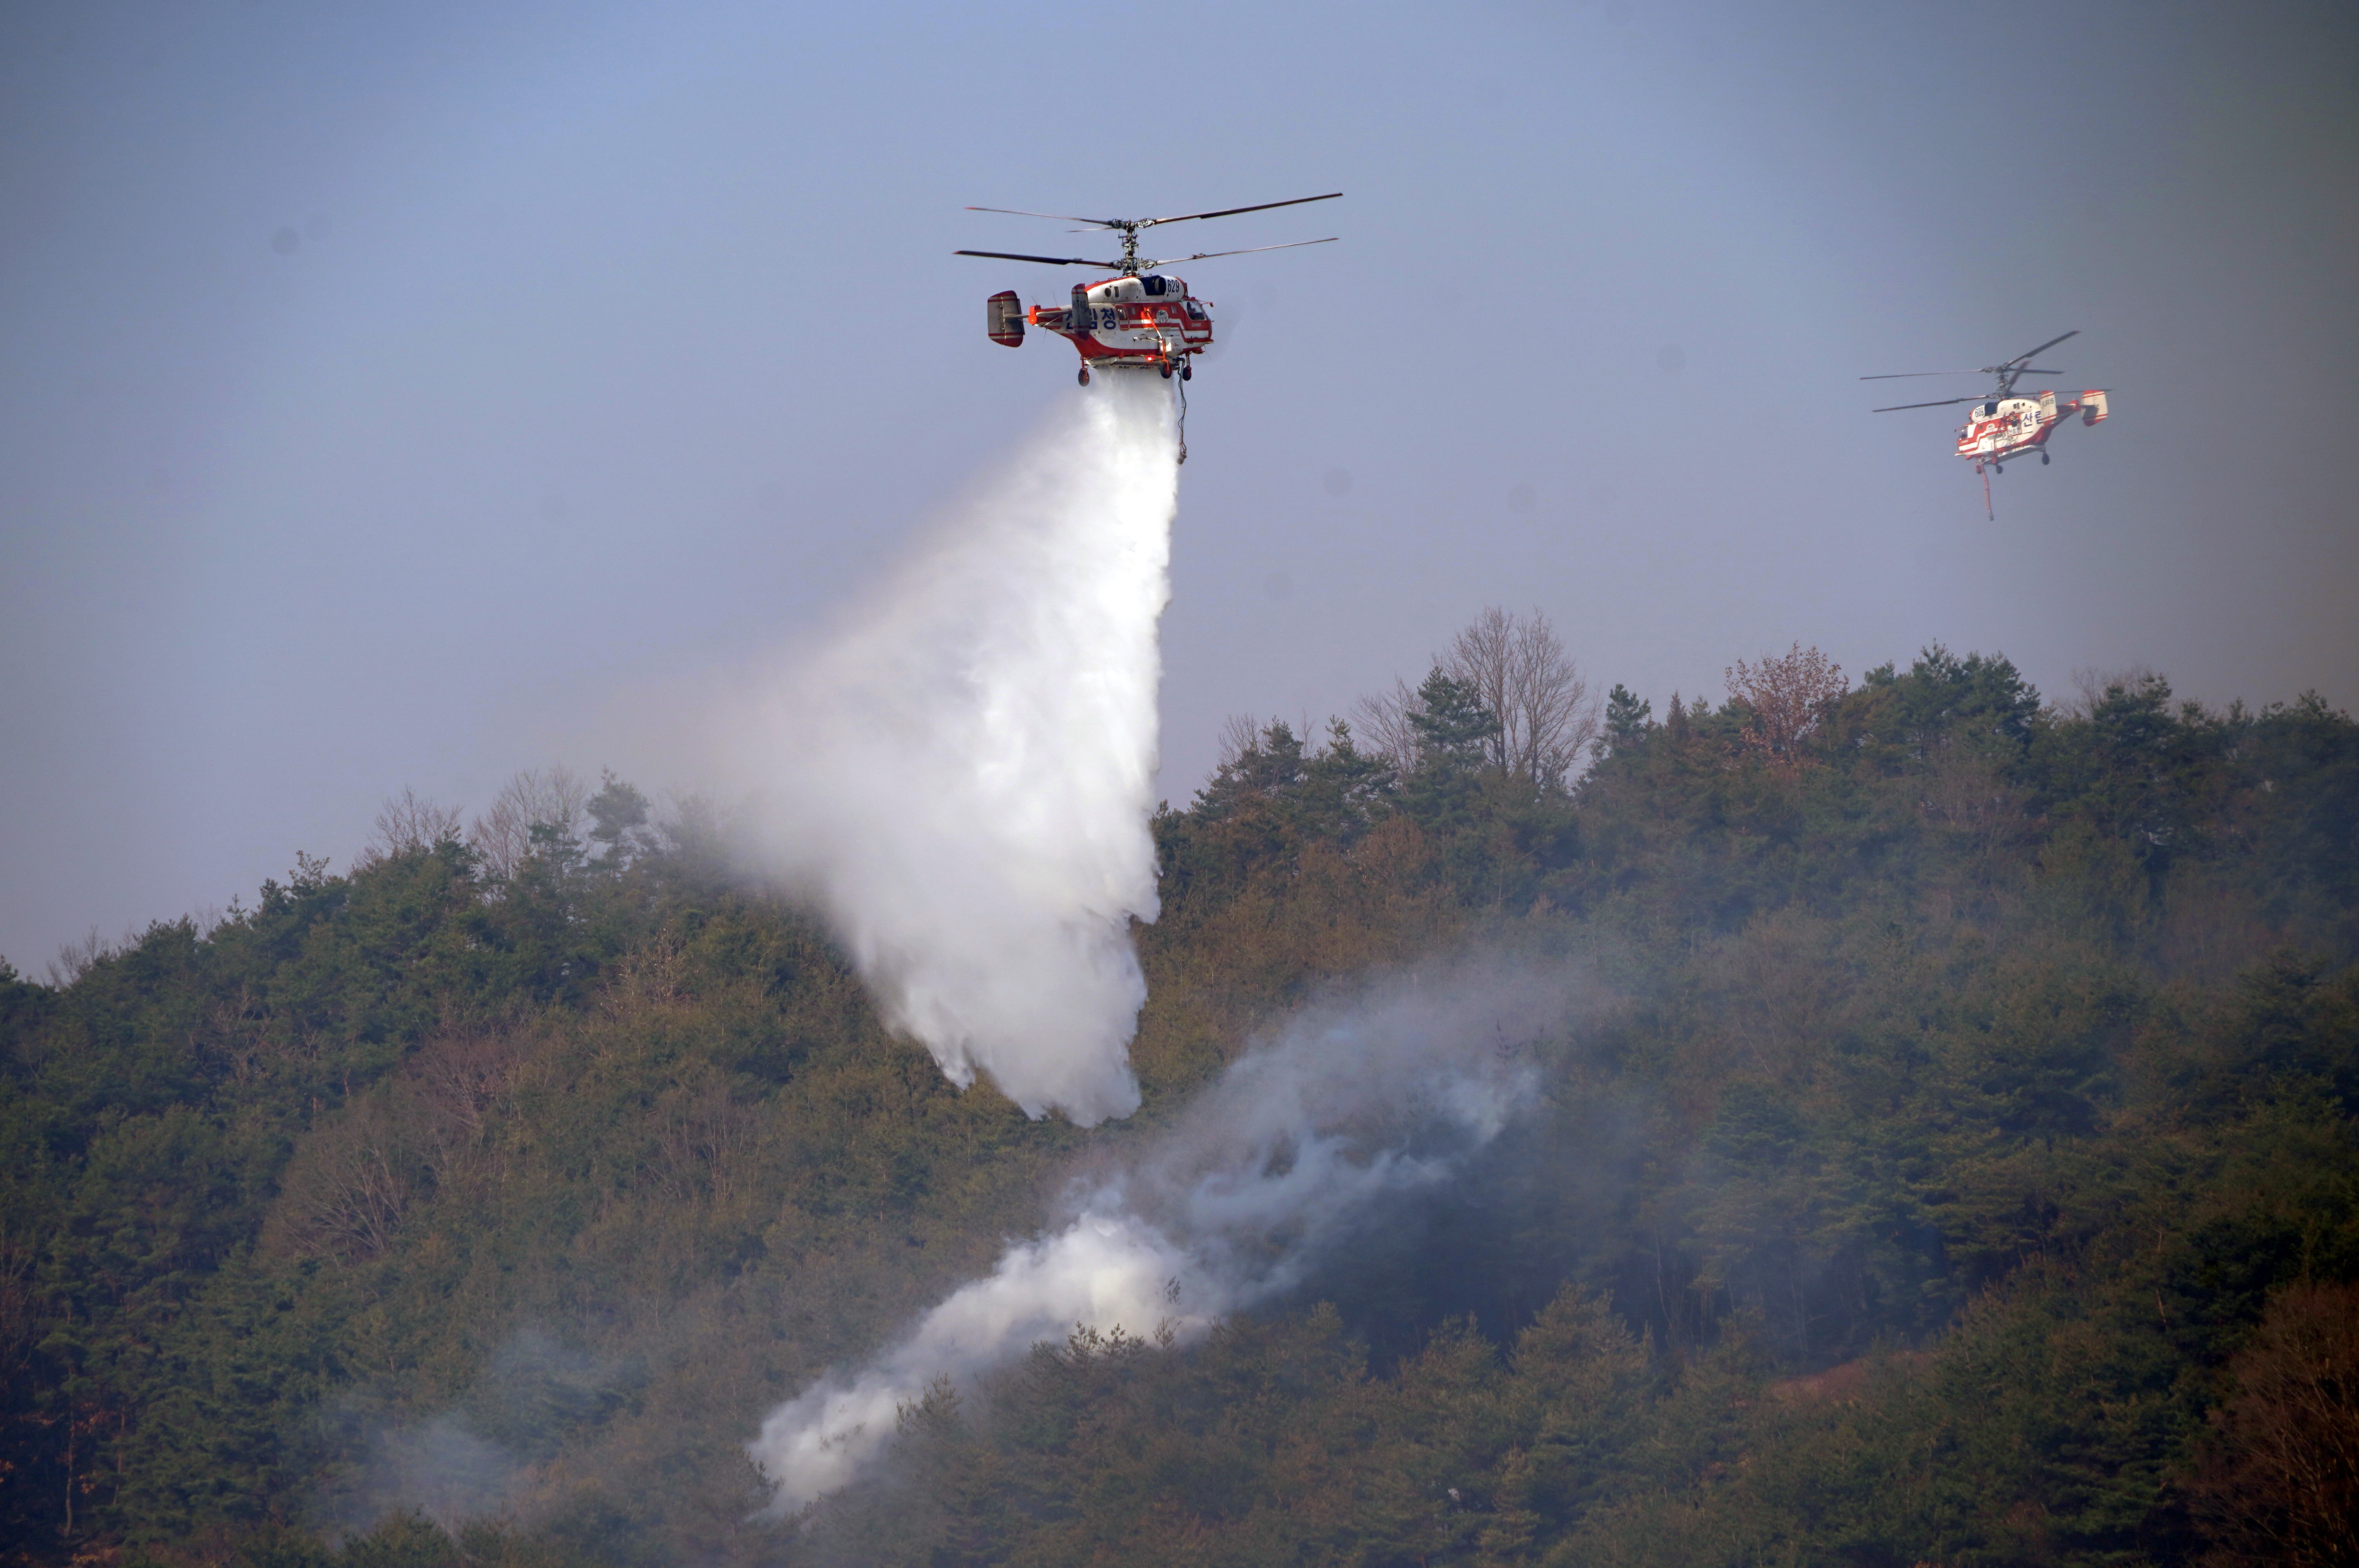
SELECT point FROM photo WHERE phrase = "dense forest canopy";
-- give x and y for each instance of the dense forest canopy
(1953, 1164)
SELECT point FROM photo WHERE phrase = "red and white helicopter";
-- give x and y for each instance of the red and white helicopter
(1138, 319)
(2003, 425)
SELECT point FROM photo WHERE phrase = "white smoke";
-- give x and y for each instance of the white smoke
(1103, 1270)
(963, 775)
(1235, 1203)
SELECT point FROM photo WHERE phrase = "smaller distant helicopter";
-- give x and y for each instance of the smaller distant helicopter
(2004, 424)
(1137, 321)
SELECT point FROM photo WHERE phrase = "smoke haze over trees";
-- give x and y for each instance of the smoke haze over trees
(1946, 1155)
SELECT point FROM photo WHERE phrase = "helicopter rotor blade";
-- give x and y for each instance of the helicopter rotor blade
(1904, 375)
(1045, 261)
(1232, 211)
(1942, 403)
(1249, 250)
(1060, 217)
(2043, 347)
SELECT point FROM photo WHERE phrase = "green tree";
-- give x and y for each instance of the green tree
(1627, 720)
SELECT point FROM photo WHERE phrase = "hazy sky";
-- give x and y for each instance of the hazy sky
(400, 395)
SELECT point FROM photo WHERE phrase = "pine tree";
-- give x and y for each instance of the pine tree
(1626, 718)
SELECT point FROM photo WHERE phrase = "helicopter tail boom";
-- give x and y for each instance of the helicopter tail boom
(2090, 405)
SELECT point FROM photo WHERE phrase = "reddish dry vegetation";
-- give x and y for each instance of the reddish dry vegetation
(2282, 1481)
(1843, 1385)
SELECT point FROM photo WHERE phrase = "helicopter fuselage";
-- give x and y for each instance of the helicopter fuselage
(1138, 319)
(2001, 427)
(1147, 321)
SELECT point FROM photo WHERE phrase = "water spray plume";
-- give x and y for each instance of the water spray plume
(962, 776)
(1277, 1164)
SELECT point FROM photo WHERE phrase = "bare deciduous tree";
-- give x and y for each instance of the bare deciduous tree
(76, 959)
(459, 1077)
(536, 797)
(1967, 791)
(2282, 1482)
(407, 825)
(1522, 675)
(1240, 733)
(349, 1183)
(1787, 696)
(703, 1137)
(1520, 669)
(1384, 730)
(2092, 686)
(651, 976)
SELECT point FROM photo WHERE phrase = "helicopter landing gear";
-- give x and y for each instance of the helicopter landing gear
(1187, 371)
(1085, 375)
(1998, 468)
(2043, 459)
(1166, 368)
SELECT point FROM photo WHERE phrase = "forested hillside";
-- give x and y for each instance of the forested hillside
(1954, 1164)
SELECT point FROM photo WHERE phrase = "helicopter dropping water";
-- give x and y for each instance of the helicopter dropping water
(1137, 319)
(2004, 424)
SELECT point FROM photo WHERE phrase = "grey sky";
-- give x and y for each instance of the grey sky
(402, 396)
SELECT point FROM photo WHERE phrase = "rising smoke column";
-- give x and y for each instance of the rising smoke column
(962, 776)
(1296, 1145)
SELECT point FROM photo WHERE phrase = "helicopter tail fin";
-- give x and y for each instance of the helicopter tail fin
(2093, 407)
(1005, 318)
